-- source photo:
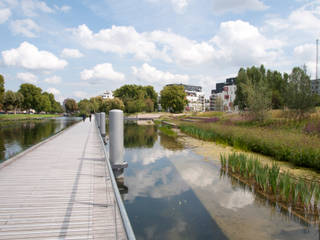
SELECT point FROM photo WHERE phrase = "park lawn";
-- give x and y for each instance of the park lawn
(9, 117)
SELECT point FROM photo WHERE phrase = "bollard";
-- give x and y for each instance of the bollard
(103, 124)
(116, 138)
(98, 120)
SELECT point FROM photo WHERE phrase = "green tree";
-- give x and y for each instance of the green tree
(259, 98)
(85, 106)
(70, 105)
(31, 95)
(109, 104)
(173, 98)
(43, 103)
(1, 90)
(12, 100)
(139, 95)
(300, 99)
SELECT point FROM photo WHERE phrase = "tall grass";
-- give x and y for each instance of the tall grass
(299, 149)
(296, 193)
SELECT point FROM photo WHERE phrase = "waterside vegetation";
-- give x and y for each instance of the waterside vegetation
(292, 193)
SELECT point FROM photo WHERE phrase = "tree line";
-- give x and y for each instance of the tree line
(132, 98)
(259, 90)
(28, 97)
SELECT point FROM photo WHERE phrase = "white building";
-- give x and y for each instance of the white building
(222, 98)
(107, 95)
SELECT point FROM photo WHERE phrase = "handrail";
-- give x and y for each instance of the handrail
(122, 209)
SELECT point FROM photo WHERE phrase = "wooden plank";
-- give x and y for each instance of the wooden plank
(59, 190)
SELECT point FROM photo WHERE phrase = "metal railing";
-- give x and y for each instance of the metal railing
(123, 213)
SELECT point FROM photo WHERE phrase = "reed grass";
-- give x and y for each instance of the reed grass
(268, 179)
(166, 130)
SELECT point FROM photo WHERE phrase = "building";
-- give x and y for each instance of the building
(222, 98)
(315, 86)
(195, 97)
(107, 95)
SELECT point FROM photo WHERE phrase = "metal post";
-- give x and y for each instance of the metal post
(98, 119)
(103, 124)
(116, 137)
(317, 42)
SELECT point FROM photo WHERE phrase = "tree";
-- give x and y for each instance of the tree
(219, 104)
(259, 98)
(1, 90)
(43, 103)
(85, 106)
(109, 104)
(12, 100)
(70, 105)
(31, 95)
(299, 96)
(173, 98)
(9, 100)
(141, 95)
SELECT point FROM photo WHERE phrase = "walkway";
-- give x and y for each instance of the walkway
(60, 190)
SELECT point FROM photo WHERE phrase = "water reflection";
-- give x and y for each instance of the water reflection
(139, 136)
(17, 136)
(174, 193)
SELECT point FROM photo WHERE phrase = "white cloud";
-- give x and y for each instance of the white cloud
(27, 77)
(71, 53)
(179, 5)
(5, 13)
(53, 80)
(305, 18)
(162, 45)
(80, 94)
(306, 54)
(151, 75)
(102, 71)
(181, 49)
(26, 27)
(236, 39)
(28, 56)
(120, 40)
(236, 6)
(31, 7)
(63, 8)
(54, 91)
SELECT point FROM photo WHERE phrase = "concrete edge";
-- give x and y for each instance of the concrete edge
(29, 149)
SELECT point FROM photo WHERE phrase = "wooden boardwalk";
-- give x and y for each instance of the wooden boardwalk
(60, 189)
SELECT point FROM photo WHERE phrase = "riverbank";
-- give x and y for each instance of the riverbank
(21, 117)
(285, 140)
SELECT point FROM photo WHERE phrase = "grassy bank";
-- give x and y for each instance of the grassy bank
(16, 117)
(292, 146)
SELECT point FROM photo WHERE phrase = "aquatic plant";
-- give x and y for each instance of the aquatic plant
(296, 193)
(167, 131)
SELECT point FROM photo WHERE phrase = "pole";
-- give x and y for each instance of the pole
(116, 137)
(317, 42)
(103, 124)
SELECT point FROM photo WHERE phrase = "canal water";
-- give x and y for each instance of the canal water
(174, 193)
(20, 135)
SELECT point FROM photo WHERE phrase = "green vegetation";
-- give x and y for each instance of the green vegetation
(1, 90)
(283, 145)
(137, 98)
(173, 98)
(70, 105)
(281, 187)
(8, 117)
(258, 91)
(166, 130)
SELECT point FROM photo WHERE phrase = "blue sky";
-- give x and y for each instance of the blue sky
(81, 48)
